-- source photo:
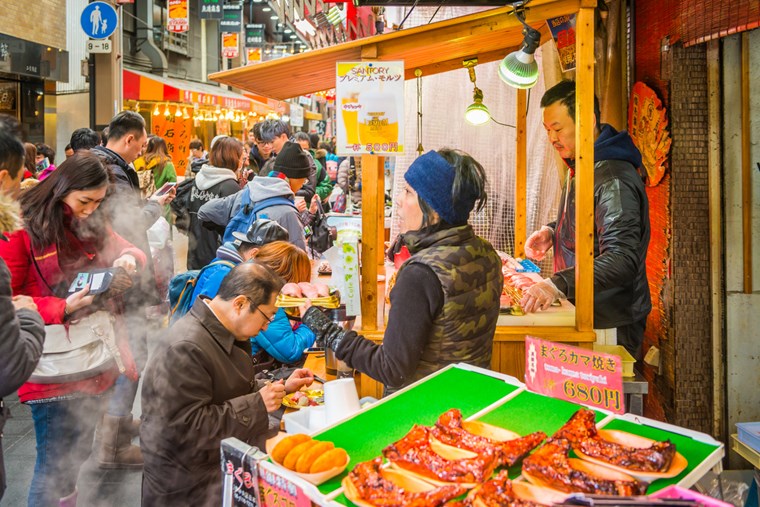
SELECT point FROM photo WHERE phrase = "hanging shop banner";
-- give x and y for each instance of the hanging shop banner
(563, 33)
(296, 115)
(177, 132)
(232, 18)
(370, 98)
(253, 55)
(574, 374)
(179, 21)
(210, 9)
(230, 45)
(254, 35)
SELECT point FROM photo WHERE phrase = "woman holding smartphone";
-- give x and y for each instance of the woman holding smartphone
(65, 234)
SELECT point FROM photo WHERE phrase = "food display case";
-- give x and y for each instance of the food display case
(492, 398)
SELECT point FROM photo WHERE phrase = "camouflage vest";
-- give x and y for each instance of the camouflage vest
(470, 274)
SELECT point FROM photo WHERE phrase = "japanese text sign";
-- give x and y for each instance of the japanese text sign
(563, 33)
(254, 35)
(232, 20)
(178, 21)
(277, 491)
(240, 473)
(211, 9)
(574, 374)
(230, 45)
(370, 103)
(177, 132)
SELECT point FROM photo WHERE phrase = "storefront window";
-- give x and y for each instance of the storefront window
(32, 104)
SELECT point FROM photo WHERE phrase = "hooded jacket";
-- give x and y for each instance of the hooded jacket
(621, 233)
(22, 332)
(131, 217)
(218, 212)
(210, 183)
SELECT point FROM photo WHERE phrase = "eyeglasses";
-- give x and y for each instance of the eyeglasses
(264, 143)
(267, 317)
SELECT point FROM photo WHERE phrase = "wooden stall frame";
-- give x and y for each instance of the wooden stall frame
(438, 47)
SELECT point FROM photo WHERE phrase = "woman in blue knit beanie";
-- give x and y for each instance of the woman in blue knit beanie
(445, 302)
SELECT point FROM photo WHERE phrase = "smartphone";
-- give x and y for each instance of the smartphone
(166, 187)
(99, 280)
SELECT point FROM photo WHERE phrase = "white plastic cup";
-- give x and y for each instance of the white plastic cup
(341, 399)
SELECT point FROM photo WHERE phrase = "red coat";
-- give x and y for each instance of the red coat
(26, 280)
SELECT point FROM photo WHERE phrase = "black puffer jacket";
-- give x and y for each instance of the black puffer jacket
(621, 234)
(131, 217)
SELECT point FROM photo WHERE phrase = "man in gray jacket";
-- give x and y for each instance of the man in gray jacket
(291, 170)
(22, 331)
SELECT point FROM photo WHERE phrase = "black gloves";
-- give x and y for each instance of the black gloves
(329, 334)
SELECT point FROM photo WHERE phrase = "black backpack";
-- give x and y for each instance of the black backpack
(321, 237)
(180, 205)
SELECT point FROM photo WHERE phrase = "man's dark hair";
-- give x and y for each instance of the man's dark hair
(84, 139)
(126, 122)
(564, 93)
(12, 152)
(271, 129)
(68, 147)
(256, 130)
(196, 144)
(314, 141)
(253, 280)
(301, 136)
(46, 151)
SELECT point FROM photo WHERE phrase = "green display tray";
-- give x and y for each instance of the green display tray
(365, 435)
(695, 452)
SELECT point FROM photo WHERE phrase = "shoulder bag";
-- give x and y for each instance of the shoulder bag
(81, 349)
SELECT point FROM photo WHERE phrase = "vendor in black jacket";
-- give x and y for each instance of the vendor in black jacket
(621, 225)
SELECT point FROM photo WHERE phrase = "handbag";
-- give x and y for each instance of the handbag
(82, 349)
(321, 238)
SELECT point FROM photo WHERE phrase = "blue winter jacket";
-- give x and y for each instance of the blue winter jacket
(279, 339)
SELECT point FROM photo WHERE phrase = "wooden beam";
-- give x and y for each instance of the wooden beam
(584, 170)
(746, 169)
(369, 292)
(521, 175)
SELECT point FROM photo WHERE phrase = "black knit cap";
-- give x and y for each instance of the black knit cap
(292, 161)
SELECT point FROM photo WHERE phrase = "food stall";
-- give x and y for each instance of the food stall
(485, 403)
(439, 47)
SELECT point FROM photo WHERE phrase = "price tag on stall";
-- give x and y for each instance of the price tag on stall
(278, 491)
(574, 374)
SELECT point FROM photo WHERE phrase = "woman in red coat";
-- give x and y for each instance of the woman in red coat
(65, 234)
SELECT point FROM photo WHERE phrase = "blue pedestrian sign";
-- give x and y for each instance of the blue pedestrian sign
(99, 20)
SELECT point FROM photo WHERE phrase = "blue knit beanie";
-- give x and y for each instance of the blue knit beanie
(432, 177)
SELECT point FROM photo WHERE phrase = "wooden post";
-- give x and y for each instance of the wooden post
(370, 182)
(380, 196)
(584, 168)
(746, 169)
(715, 208)
(521, 175)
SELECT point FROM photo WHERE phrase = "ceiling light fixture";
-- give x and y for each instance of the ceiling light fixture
(476, 113)
(519, 68)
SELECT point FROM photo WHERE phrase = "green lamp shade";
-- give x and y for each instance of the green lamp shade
(519, 69)
(477, 114)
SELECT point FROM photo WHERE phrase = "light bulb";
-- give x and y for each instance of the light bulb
(519, 69)
(477, 113)
(156, 112)
(166, 111)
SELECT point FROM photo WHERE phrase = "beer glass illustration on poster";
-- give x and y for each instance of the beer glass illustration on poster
(370, 103)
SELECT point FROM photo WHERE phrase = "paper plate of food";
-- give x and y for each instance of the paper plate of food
(370, 484)
(637, 456)
(304, 398)
(313, 460)
(501, 489)
(640, 457)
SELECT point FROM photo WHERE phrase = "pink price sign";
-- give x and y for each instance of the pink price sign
(574, 374)
(277, 491)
